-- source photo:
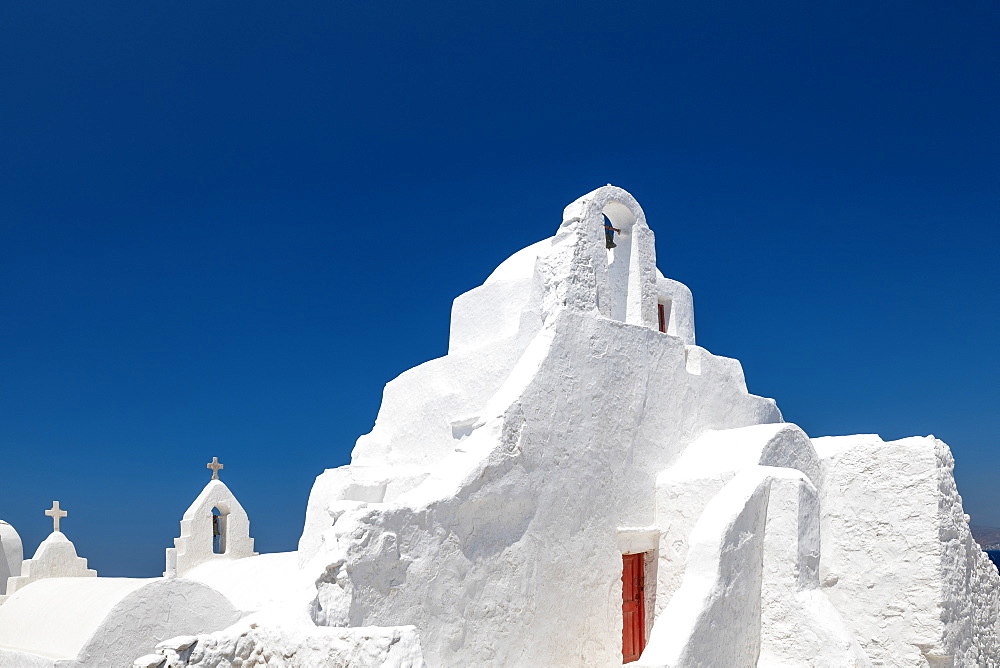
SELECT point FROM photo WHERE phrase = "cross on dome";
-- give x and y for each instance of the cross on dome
(56, 513)
(215, 466)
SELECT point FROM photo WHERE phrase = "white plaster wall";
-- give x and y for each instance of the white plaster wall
(970, 583)
(162, 609)
(415, 423)
(16, 659)
(714, 618)
(713, 459)
(490, 313)
(799, 625)
(294, 646)
(750, 591)
(253, 583)
(505, 306)
(520, 265)
(74, 606)
(105, 621)
(898, 558)
(880, 564)
(425, 409)
(11, 554)
(499, 557)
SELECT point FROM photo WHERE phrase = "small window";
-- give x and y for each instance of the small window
(663, 309)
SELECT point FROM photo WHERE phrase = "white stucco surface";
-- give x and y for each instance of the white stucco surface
(684, 489)
(750, 593)
(104, 621)
(591, 403)
(898, 557)
(253, 583)
(799, 624)
(282, 645)
(714, 618)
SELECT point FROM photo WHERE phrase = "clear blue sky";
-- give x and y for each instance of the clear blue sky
(224, 227)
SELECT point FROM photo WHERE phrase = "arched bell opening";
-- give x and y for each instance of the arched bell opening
(618, 221)
(219, 529)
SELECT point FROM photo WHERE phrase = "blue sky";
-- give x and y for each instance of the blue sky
(223, 228)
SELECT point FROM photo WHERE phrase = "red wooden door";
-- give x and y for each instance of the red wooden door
(633, 607)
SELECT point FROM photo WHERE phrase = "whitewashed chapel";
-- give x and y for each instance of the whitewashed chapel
(576, 483)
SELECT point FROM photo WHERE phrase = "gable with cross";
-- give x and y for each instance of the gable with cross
(214, 527)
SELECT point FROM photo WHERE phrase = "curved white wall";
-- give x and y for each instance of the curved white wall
(11, 554)
(107, 621)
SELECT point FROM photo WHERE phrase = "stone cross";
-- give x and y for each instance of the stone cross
(56, 513)
(215, 466)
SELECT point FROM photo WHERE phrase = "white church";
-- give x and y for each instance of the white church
(576, 483)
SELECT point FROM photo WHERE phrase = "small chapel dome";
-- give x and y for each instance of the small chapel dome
(55, 557)
(11, 554)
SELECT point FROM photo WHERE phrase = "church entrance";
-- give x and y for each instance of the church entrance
(633, 607)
